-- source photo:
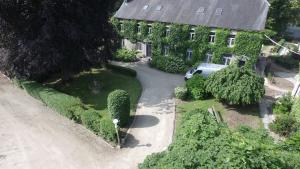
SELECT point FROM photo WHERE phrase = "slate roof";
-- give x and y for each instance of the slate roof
(233, 14)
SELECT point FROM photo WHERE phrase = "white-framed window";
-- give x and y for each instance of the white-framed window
(123, 43)
(166, 50)
(122, 27)
(231, 40)
(139, 29)
(189, 54)
(139, 46)
(227, 59)
(192, 35)
(149, 29)
(212, 37)
(208, 57)
(168, 31)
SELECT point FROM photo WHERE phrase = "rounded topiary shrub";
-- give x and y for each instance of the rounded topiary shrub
(118, 104)
(181, 93)
(126, 55)
(236, 85)
(196, 87)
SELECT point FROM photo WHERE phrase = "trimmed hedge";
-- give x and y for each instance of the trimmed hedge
(126, 55)
(168, 64)
(71, 108)
(122, 70)
(118, 104)
(196, 87)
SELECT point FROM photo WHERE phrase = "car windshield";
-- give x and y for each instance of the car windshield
(193, 70)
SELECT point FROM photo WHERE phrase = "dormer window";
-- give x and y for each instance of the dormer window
(149, 29)
(139, 29)
(145, 7)
(231, 40)
(158, 8)
(219, 11)
(168, 31)
(192, 34)
(212, 37)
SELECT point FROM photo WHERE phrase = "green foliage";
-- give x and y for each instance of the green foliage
(115, 23)
(168, 64)
(196, 87)
(287, 62)
(284, 125)
(181, 93)
(122, 70)
(292, 143)
(296, 109)
(143, 35)
(126, 55)
(70, 107)
(239, 86)
(200, 44)
(118, 104)
(248, 44)
(284, 104)
(201, 142)
(130, 30)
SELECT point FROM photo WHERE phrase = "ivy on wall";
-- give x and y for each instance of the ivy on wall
(178, 40)
(248, 44)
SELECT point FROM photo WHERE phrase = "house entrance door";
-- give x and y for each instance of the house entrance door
(149, 50)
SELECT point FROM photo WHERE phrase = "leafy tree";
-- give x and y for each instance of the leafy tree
(42, 37)
(236, 85)
(279, 15)
(201, 142)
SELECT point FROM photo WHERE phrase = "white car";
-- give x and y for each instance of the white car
(205, 69)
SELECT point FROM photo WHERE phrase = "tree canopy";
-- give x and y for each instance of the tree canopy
(203, 143)
(41, 37)
(236, 85)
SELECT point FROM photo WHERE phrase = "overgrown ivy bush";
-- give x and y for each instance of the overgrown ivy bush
(118, 104)
(284, 125)
(126, 55)
(201, 142)
(196, 87)
(284, 104)
(236, 85)
(181, 92)
(168, 64)
(296, 109)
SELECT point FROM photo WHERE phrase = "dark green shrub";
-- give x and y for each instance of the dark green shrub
(118, 104)
(168, 64)
(284, 125)
(107, 129)
(235, 85)
(196, 87)
(287, 62)
(122, 70)
(283, 105)
(126, 55)
(292, 143)
(181, 93)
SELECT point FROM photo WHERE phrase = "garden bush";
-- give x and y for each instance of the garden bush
(236, 85)
(122, 70)
(196, 87)
(181, 93)
(118, 104)
(284, 125)
(296, 109)
(168, 64)
(126, 55)
(287, 62)
(201, 142)
(72, 108)
(283, 105)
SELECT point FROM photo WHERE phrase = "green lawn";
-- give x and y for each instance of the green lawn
(93, 87)
(232, 115)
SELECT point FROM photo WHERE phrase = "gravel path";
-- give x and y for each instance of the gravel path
(34, 137)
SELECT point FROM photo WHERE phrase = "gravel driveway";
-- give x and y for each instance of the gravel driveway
(34, 137)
